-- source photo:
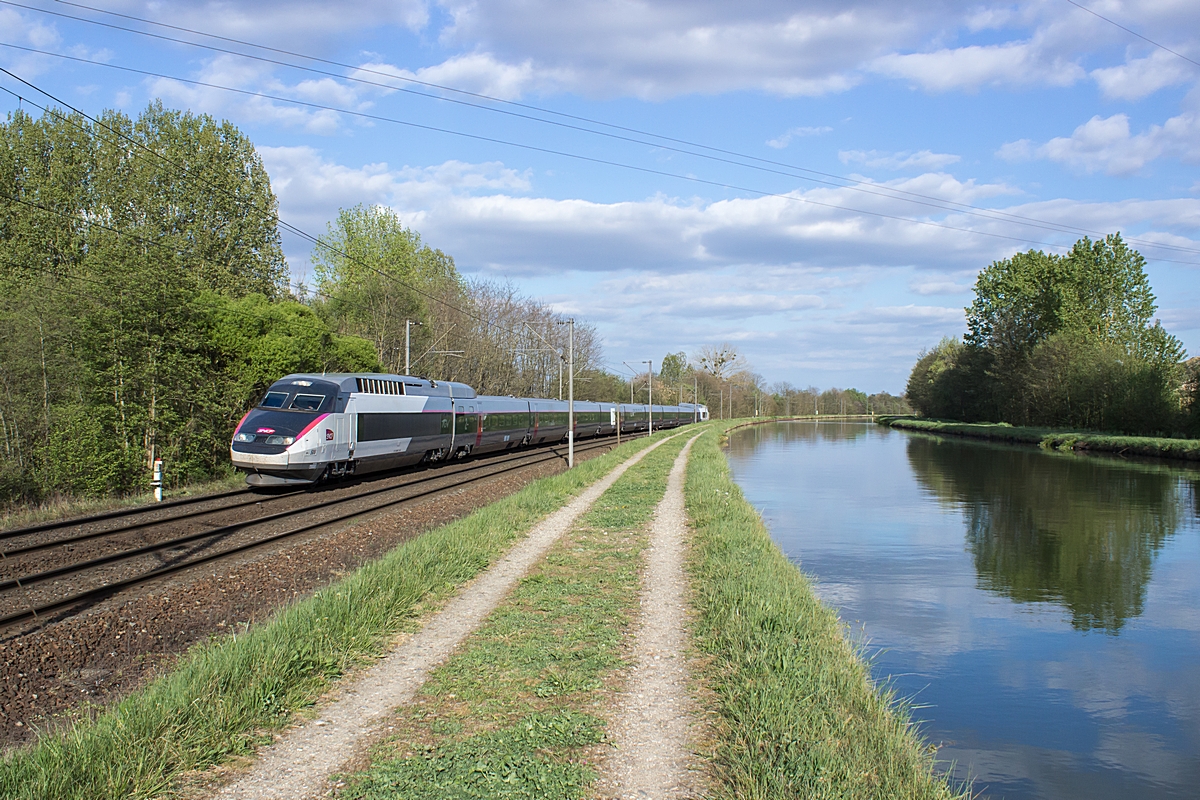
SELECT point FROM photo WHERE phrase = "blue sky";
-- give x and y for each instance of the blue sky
(1031, 109)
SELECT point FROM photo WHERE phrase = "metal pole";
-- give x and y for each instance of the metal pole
(407, 330)
(571, 393)
(650, 384)
(695, 398)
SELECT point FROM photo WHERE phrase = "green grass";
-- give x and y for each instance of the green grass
(799, 715)
(226, 696)
(1051, 439)
(547, 658)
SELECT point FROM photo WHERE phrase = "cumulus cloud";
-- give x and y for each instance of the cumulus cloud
(313, 23)
(974, 66)
(252, 76)
(786, 137)
(876, 159)
(1106, 144)
(1140, 77)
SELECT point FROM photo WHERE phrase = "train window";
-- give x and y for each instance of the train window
(274, 400)
(308, 402)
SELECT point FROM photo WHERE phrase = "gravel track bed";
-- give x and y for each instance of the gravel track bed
(383, 490)
(58, 669)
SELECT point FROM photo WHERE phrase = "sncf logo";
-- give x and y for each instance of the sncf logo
(328, 435)
(265, 430)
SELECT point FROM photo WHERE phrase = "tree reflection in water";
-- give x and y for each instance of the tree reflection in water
(1082, 532)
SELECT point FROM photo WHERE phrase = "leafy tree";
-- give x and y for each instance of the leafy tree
(377, 274)
(141, 299)
(674, 369)
(1058, 341)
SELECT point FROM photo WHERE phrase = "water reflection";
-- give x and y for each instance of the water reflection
(1076, 531)
(1044, 610)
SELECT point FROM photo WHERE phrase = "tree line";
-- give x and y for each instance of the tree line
(1063, 341)
(145, 305)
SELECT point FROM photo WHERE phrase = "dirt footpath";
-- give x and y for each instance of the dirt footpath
(298, 765)
(653, 756)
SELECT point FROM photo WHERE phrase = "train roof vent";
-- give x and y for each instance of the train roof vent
(379, 386)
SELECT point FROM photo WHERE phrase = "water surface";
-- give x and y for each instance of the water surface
(1042, 610)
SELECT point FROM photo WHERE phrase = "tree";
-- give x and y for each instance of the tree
(1058, 341)
(375, 275)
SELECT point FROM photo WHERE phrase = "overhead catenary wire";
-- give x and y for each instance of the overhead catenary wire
(546, 150)
(317, 241)
(825, 178)
(1132, 32)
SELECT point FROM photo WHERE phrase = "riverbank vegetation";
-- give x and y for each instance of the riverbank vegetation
(798, 714)
(1056, 439)
(223, 695)
(1063, 342)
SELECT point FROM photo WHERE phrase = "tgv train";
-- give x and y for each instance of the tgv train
(309, 428)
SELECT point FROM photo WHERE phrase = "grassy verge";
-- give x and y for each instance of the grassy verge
(550, 654)
(226, 696)
(66, 507)
(1186, 449)
(798, 713)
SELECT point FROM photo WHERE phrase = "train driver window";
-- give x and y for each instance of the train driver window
(274, 400)
(308, 402)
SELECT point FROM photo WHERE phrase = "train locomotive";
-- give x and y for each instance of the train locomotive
(312, 428)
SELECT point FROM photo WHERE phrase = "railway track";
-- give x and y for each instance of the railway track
(58, 568)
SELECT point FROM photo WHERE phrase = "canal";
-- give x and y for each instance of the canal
(1040, 611)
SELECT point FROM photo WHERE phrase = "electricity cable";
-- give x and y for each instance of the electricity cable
(875, 189)
(550, 151)
(1122, 27)
(274, 217)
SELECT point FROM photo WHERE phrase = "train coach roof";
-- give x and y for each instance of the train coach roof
(413, 385)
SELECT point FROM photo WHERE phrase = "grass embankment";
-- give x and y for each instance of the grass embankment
(799, 715)
(1051, 439)
(225, 696)
(518, 710)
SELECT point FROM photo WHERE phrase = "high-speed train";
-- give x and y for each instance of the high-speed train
(309, 428)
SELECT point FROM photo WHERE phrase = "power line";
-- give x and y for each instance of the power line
(274, 217)
(866, 187)
(1129, 31)
(534, 148)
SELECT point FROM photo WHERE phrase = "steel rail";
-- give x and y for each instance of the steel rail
(120, 512)
(117, 586)
(256, 498)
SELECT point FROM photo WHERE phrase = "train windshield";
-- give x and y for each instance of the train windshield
(274, 400)
(308, 402)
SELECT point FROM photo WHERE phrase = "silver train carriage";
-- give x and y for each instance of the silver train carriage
(308, 428)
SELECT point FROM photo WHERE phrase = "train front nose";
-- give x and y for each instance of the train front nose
(260, 447)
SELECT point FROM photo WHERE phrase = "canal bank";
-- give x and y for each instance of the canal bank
(797, 711)
(785, 705)
(1049, 439)
(1040, 609)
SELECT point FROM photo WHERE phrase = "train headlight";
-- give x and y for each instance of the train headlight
(244, 437)
(285, 440)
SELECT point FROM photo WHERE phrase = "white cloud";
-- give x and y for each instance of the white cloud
(252, 76)
(876, 159)
(1105, 144)
(786, 137)
(974, 66)
(314, 23)
(476, 72)
(1139, 77)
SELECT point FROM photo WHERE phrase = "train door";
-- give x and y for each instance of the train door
(351, 421)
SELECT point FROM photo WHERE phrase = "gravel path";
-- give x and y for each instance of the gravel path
(652, 758)
(299, 763)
